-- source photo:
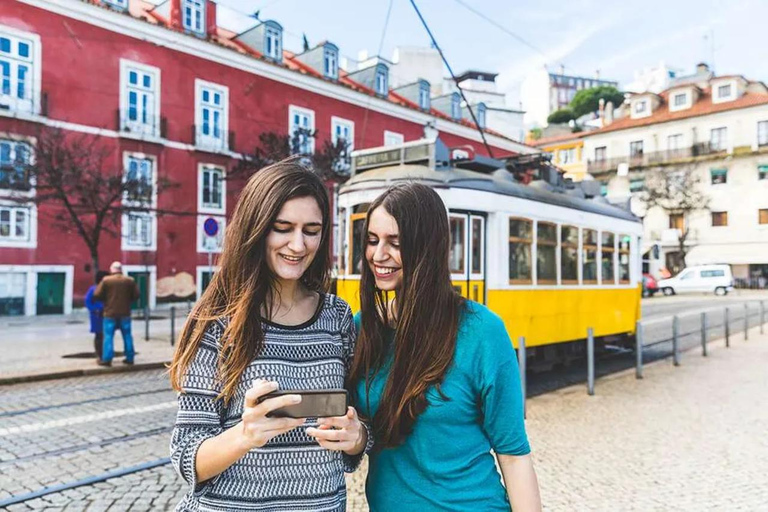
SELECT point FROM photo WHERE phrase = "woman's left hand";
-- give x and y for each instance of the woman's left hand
(341, 433)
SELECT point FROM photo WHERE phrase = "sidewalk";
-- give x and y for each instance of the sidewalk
(34, 348)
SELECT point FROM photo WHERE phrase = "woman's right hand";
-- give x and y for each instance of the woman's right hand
(257, 428)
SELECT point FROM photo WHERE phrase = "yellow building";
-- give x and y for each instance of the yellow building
(567, 153)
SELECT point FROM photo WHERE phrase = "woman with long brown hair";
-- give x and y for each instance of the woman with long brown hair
(437, 374)
(264, 324)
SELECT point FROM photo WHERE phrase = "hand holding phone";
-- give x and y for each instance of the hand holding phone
(257, 427)
(341, 433)
(315, 403)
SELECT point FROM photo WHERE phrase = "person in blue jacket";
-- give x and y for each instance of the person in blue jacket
(96, 310)
(436, 374)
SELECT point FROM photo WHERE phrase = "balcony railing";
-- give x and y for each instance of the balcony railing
(207, 141)
(654, 157)
(145, 125)
(30, 103)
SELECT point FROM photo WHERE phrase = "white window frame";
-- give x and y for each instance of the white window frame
(210, 141)
(202, 269)
(456, 107)
(15, 142)
(339, 122)
(196, 7)
(641, 107)
(762, 133)
(30, 104)
(424, 97)
(31, 282)
(201, 206)
(294, 111)
(151, 129)
(686, 101)
(481, 115)
(125, 243)
(678, 139)
(393, 138)
(731, 91)
(273, 36)
(330, 63)
(722, 144)
(203, 239)
(30, 241)
(381, 81)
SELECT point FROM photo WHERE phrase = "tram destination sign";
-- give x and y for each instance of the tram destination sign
(378, 159)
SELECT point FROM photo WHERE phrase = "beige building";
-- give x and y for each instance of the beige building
(718, 127)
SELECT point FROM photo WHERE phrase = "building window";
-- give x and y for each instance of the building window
(719, 219)
(382, 87)
(424, 96)
(600, 154)
(212, 190)
(567, 156)
(17, 71)
(680, 99)
(139, 226)
(14, 224)
(546, 252)
(762, 172)
(675, 142)
(481, 115)
(677, 221)
(302, 130)
(331, 62)
(624, 247)
(456, 106)
(343, 132)
(393, 139)
(607, 249)
(724, 91)
(140, 98)
(139, 232)
(211, 115)
(520, 242)
(13, 292)
(139, 176)
(589, 256)
(636, 149)
(457, 226)
(636, 184)
(762, 216)
(640, 106)
(762, 133)
(14, 165)
(273, 43)
(194, 15)
(718, 176)
(569, 254)
(717, 139)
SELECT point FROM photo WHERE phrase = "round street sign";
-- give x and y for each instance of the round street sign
(211, 226)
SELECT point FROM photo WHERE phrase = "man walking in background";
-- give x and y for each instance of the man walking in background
(117, 291)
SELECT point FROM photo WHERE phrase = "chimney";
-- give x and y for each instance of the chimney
(174, 19)
(210, 18)
(608, 119)
(702, 68)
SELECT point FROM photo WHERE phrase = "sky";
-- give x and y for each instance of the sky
(615, 37)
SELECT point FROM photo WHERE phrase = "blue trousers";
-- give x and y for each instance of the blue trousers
(110, 326)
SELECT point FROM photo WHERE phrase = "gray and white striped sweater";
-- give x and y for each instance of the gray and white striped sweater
(291, 472)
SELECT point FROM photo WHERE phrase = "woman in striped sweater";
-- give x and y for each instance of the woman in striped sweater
(264, 323)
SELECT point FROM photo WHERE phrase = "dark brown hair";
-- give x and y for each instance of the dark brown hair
(427, 313)
(244, 286)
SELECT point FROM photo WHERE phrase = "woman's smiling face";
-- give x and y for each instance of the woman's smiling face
(295, 236)
(382, 250)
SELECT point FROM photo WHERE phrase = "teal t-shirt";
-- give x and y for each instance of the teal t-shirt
(446, 462)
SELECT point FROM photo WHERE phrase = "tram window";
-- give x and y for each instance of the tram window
(546, 249)
(477, 246)
(569, 254)
(608, 248)
(520, 241)
(457, 245)
(357, 243)
(624, 258)
(589, 256)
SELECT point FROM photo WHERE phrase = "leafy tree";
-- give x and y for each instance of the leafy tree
(676, 193)
(588, 100)
(535, 133)
(561, 116)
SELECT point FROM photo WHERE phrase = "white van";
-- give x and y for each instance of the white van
(699, 279)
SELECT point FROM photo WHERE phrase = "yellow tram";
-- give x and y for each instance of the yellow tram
(547, 257)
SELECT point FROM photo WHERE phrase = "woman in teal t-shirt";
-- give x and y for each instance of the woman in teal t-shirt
(435, 373)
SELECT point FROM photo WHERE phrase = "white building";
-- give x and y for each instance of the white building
(543, 92)
(653, 79)
(718, 127)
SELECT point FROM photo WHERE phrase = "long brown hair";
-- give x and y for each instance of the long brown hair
(244, 285)
(427, 313)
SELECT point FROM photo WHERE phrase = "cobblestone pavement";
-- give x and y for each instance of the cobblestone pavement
(687, 438)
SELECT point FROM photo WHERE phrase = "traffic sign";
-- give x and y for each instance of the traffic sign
(211, 226)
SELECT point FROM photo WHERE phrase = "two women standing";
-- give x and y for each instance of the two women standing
(434, 376)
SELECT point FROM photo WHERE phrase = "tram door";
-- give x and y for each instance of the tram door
(468, 254)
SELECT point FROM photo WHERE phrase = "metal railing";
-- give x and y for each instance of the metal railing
(651, 158)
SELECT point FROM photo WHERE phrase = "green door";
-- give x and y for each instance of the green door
(50, 293)
(142, 279)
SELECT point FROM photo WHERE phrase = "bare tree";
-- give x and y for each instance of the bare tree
(331, 161)
(676, 193)
(84, 187)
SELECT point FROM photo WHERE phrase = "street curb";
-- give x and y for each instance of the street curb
(85, 372)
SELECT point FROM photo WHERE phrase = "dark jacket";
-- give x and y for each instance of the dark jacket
(95, 308)
(117, 292)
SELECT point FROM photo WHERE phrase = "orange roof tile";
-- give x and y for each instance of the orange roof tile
(558, 138)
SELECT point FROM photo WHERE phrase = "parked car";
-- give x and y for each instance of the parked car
(699, 279)
(650, 286)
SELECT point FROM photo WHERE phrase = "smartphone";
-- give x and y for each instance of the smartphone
(315, 403)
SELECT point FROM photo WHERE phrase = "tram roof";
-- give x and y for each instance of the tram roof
(498, 182)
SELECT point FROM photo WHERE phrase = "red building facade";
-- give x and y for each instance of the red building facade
(174, 96)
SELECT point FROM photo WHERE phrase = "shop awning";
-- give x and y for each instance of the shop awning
(734, 254)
